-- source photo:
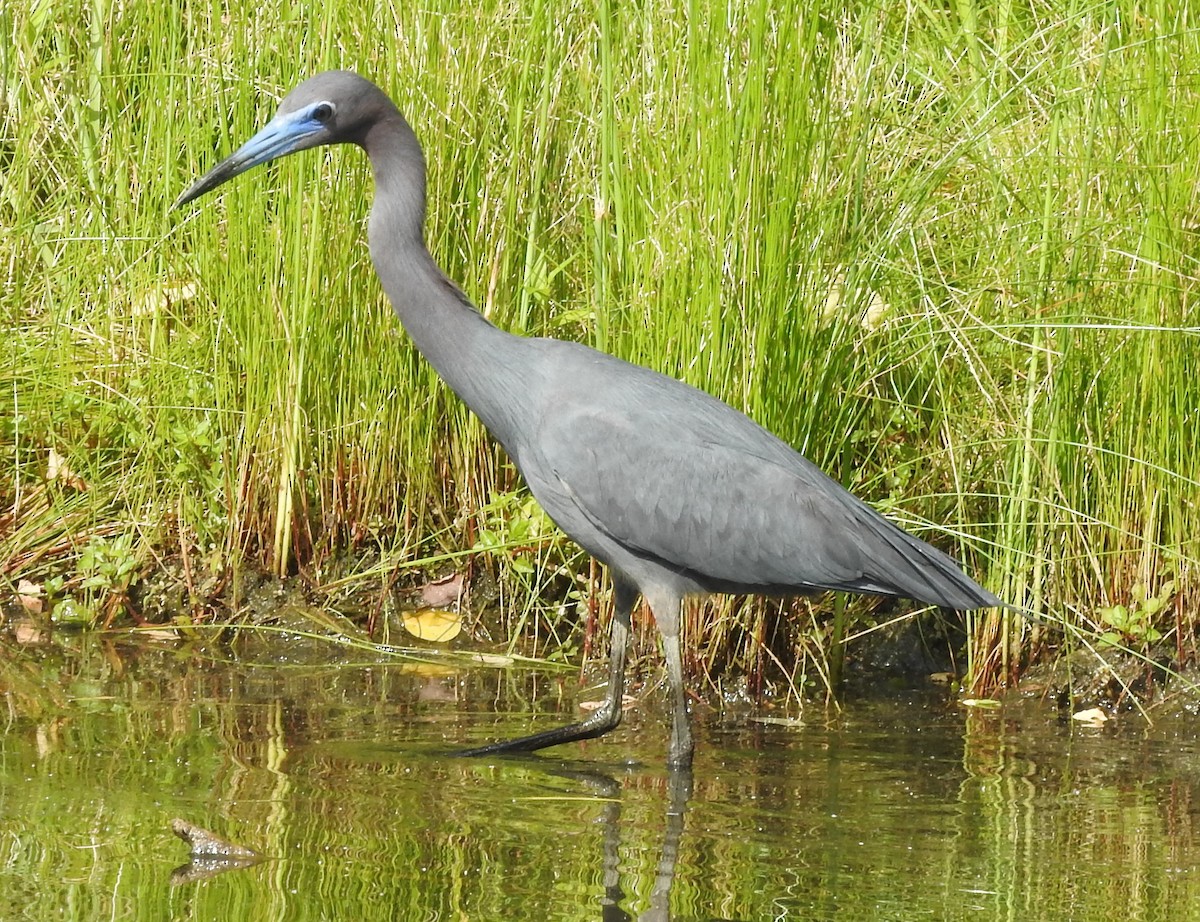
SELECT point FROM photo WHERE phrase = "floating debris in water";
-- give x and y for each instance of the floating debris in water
(1093, 717)
(986, 703)
(211, 855)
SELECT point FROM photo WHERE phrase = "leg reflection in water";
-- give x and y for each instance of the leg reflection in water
(679, 792)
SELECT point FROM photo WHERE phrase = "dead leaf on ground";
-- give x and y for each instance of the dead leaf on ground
(29, 595)
(442, 592)
(58, 469)
(160, 300)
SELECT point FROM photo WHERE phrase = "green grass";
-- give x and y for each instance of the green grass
(947, 251)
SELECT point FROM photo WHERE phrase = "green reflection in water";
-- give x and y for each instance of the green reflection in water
(894, 810)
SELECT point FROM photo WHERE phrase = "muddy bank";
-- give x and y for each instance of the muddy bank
(306, 623)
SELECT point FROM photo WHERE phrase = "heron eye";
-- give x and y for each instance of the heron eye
(323, 112)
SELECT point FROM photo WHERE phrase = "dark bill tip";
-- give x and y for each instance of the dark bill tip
(221, 173)
(284, 134)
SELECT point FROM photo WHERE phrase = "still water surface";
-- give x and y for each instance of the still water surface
(910, 807)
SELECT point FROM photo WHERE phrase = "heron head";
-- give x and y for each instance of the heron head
(330, 108)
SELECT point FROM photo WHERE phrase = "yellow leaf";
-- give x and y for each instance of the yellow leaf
(433, 624)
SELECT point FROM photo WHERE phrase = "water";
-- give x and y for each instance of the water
(904, 808)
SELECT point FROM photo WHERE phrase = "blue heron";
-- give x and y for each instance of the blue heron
(675, 491)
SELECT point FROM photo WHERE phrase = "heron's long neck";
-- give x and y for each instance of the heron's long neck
(454, 337)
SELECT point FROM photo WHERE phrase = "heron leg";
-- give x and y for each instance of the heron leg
(667, 607)
(608, 715)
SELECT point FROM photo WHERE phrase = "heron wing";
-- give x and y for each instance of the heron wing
(628, 460)
(704, 490)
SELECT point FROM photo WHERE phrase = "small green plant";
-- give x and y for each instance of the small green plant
(109, 567)
(541, 566)
(516, 528)
(1134, 623)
